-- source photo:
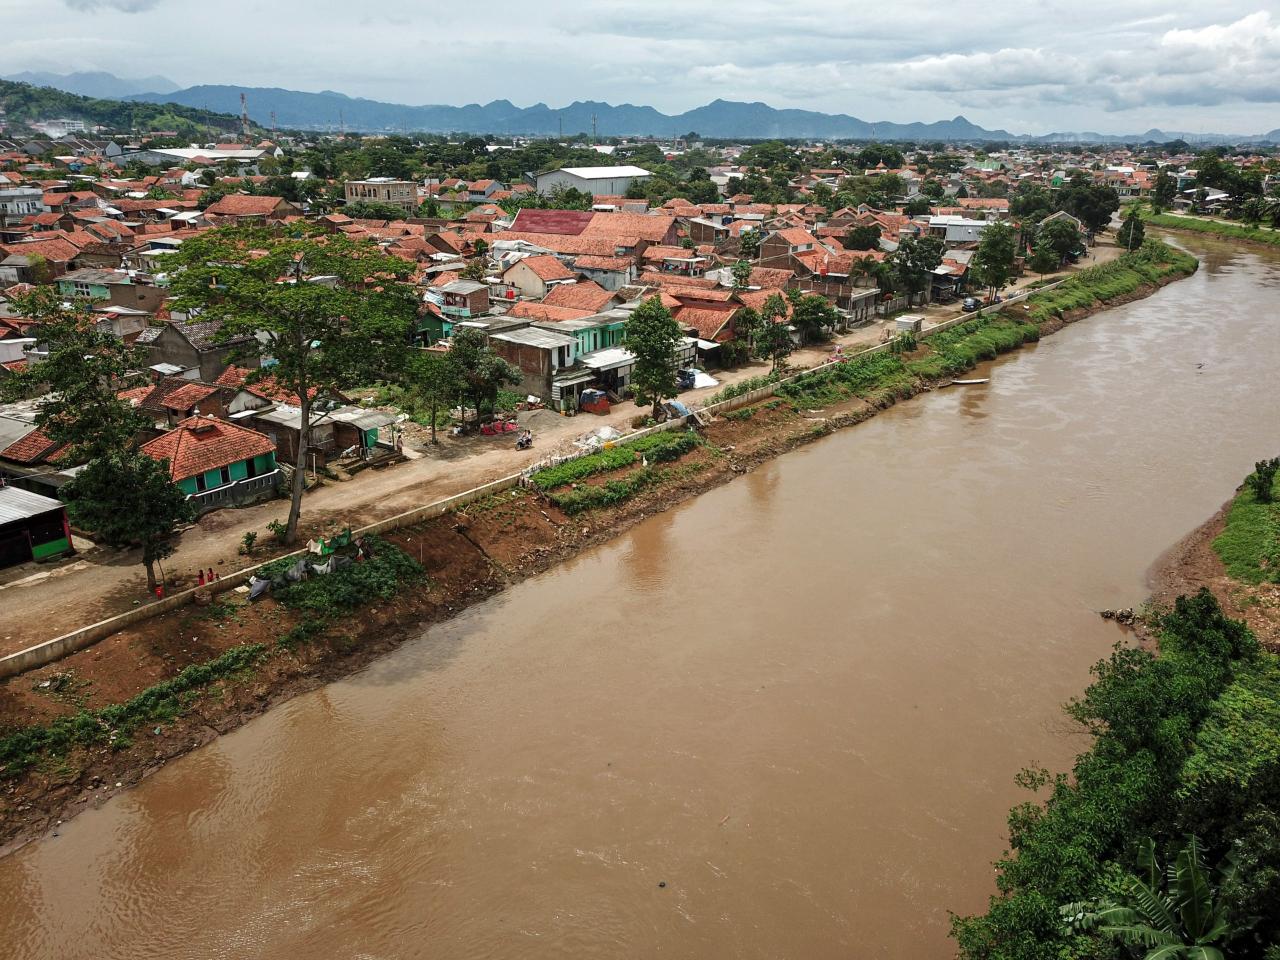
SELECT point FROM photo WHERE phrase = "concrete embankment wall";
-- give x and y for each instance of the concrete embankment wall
(47, 652)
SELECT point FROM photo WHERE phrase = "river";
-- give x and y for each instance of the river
(780, 720)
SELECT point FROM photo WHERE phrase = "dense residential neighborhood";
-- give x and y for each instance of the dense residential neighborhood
(536, 253)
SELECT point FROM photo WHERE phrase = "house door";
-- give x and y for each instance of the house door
(15, 547)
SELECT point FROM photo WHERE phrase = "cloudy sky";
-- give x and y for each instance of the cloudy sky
(1029, 66)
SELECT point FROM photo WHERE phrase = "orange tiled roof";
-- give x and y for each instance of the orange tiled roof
(200, 444)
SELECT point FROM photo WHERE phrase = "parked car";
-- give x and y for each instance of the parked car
(970, 304)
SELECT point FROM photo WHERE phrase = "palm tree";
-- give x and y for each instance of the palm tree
(1181, 923)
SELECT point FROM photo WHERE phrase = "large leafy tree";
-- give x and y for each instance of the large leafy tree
(321, 312)
(652, 335)
(1164, 191)
(434, 381)
(993, 260)
(1063, 237)
(1132, 231)
(813, 316)
(83, 371)
(1092, 203)
(915, 260)
(481, 372)
(128, 499)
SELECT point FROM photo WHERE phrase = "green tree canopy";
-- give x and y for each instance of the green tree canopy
(652, 334)
(321, 312)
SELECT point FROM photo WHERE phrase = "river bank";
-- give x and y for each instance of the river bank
(1222, 230)
(1193, 563)
(467, 557)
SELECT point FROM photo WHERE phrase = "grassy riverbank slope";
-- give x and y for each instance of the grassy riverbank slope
(1185, 742)
(1212, 228)
(111, 713)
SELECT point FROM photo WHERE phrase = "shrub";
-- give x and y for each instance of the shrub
(655, 447)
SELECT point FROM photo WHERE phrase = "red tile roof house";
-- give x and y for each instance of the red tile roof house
(237, 206)
(217, 463)
(535, 276)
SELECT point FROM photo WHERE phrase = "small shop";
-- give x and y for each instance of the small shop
(32, 527)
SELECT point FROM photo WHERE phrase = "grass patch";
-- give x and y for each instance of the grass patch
(1213, 228)
(613, 492)
(745, 386)
(116, 723)
(656, 447)
(1152, 262)
(1249, 544)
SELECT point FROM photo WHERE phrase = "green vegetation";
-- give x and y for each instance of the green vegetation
(745, 386)
(655, 447)
(1184, 743)
(379, 577)
(962, 347)
(24, 103)
(1148, 264)
(873, 377)
(1214, 228)
(587, 497)
(115, 723)
(1249, 544)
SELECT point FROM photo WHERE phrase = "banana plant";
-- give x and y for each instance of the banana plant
(1172, 914)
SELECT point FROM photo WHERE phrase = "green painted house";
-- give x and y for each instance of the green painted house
(218, 463)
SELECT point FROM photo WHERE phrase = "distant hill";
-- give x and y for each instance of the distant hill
(95, 83)
(24, 103)
(328, 110)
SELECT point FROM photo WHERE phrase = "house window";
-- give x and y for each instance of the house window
(201, 486)
(224, 475)
(251, 467)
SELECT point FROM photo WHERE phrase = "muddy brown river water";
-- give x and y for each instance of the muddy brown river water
(780, 720)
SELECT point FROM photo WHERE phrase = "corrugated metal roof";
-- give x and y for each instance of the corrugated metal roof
(18, 504)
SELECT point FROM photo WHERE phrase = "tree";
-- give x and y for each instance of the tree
(1044, 259)
(373, 210)
(1091, 203)
(481, 371)
(1131, 231)
(741, 275)
(862, 238)
(812, 316)
(474, 270)
(993, 260)
(1164, 191)
(1063, 237)
(746, 330)
(352, 325)
(917, 206)
(774, 342)
(1262, 480)
(83, 371)
(1182, 922)
(128, 499)
(434, 381)
(749, 244)
(915, 260)
(652, 334)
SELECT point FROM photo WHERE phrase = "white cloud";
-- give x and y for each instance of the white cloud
(1032, 65)
(124, 6)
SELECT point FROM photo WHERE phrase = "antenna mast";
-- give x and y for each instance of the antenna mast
(244, 116)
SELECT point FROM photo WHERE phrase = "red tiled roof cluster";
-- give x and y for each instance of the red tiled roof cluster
(200, 444)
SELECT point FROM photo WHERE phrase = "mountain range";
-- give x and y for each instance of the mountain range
(328, 110)
(97, 83)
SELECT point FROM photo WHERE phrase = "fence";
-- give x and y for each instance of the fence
(47, 652)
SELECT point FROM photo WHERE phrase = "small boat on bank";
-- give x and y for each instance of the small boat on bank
(967, 383)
